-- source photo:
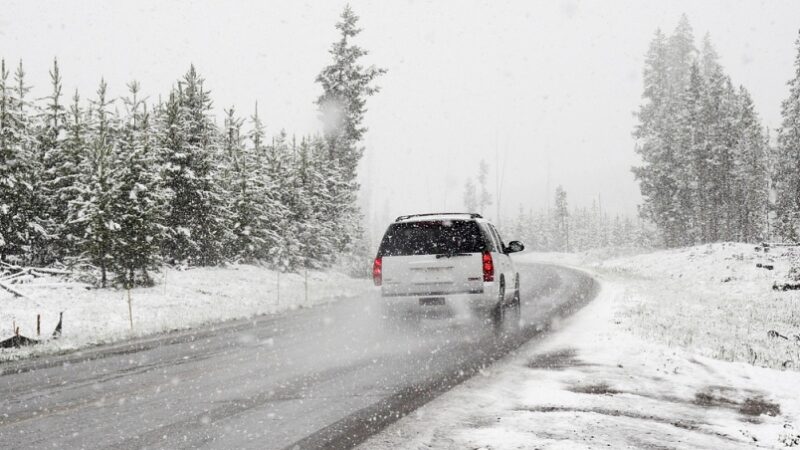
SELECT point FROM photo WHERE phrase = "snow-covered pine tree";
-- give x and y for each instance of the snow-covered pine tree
(264, 193)
(346, 84)
(339, 212)
(73, 172)
(656, 143)
(681, 58)
(786, 176)
(470, 196)
(308, 231)
(749, 203)
(484, 198)
(724, 138)
(248, 190)
(287, 250)
(617, 232)
(561, 220)
(692, 171)
(98, 188)
(681, 54)
(196, 214)
(138, 203)
(316, 233)
(28, 202)
(49, 185)
(13, 190)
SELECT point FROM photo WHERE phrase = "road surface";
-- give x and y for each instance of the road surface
(325, 377)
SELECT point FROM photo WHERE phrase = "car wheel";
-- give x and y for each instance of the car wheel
(499, 307)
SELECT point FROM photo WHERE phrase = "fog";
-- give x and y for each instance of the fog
(543, 91)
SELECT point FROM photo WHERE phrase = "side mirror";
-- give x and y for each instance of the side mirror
(514, 247)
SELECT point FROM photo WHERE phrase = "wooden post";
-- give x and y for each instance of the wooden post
(278, 287)
(305, 276)
(38, 325)
(130, 308)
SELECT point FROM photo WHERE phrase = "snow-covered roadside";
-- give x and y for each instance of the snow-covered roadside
(180, 300)
(619, 373)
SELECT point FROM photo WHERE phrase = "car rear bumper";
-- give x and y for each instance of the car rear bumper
(484, 298)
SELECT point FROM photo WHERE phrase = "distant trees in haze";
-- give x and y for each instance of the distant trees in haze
(476, 195)
(561, 216)
(123, 185)
(562, 228)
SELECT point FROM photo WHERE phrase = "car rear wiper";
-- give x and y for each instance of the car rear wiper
(450, 255)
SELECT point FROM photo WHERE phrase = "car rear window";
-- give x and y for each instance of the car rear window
(432, 238)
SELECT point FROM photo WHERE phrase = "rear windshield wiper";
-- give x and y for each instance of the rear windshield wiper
(450, 255)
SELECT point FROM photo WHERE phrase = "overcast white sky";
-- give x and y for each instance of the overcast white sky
(547, 87)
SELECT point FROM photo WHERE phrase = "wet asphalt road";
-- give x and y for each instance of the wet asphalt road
(326, 377)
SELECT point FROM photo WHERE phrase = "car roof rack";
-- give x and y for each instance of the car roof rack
(409, 216)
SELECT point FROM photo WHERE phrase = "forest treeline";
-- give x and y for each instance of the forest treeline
(709, 172)
(564, 228)
(123, 185)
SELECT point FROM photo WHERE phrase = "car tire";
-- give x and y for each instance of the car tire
(498, 312)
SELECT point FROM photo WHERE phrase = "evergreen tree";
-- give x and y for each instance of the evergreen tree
(561, 216)
(470, 196)
(656, 144)
(76, 149)
(484, 198)
(287, 249)
(98, 188)
(26, 205)
(692, 171)
(195, 214)
(749, 203)
(13, 192)
(346, 84)
(251, 202)
(263, 193)
(681, 54)
(138, 203)
(786, 177)
(48, 183)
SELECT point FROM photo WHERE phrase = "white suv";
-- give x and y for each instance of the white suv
(447, 259)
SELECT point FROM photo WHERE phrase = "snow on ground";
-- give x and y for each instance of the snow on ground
(658, 360)
(181, 299)
(715, 301)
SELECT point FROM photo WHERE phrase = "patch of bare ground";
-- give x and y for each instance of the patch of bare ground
(594, 389)
(757, 406)
(684, 424)
(557, 360)
(751, 407)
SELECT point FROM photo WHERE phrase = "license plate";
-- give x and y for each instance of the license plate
(430, 301)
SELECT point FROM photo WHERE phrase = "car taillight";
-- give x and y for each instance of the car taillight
(377, 271)
(488, 267)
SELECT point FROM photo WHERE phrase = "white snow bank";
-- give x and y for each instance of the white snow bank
(180, 300)
(715, 301)
(711, 299)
